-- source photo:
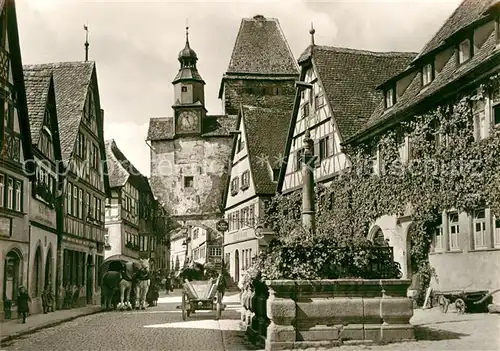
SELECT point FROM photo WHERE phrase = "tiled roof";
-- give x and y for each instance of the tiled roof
(350, 77)
(162, 128)
(261, 48)
(120, 168)
(466, 13)
(266, 133)
(37, 85)
(71, 82)
(450, 73)
(219, 125)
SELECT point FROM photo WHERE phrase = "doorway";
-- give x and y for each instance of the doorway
(90, 285)
(48, 270)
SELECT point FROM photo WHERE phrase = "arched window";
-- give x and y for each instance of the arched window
(12, 273)
(37, 273)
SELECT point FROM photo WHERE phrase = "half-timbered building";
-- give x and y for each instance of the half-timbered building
(45, 185)
(255, 165)
(336, 94)
(15, 147)
(80, 121)
(133, 215)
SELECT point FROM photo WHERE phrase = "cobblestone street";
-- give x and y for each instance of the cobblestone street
(157, 328)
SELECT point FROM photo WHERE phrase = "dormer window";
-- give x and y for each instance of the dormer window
(427, 74)
(464, 51)
(390, 98)
(184, 89)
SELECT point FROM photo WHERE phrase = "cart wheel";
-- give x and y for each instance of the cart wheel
(460, 306)
(443, 304)
(185, 313)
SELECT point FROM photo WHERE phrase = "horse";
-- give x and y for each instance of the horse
(123, 280)
(142, 285)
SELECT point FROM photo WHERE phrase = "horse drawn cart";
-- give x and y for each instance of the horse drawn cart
(117, 265)
(201, 295)
(464, 300)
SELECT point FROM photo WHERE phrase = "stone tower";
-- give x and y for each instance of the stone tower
(262, 70)
(190, 151)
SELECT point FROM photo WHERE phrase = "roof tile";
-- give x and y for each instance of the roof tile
(350, 77)
(266, 133)
(71, 82)
(37, 85)
(466, 13)
(261, 48)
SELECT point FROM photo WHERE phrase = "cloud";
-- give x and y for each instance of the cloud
(135, 43)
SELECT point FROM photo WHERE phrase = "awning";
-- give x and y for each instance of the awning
(120, 258)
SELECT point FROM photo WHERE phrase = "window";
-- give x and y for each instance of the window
(95, 156)
(375, 164)
(402, 149)
(390, 98)
(438, 238)
(305, 110)
(324, 148)
(215, 251)
(427, 74)
(19, 196)
(496, 115)
(454, 231)
(2, 189)
(479, 226)
(184, 89)
(298, 159)
(234, 186)
(237, 219)
(496, 231)
(188, 182)
(10, 194)
(251, 215)
(480, 125)
(464, 51)
(245, 180)
(75, 201)
(196, 232)
(319, 101)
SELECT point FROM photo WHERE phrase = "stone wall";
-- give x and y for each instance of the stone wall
(204, 159)
(329, 312)
(257, 93)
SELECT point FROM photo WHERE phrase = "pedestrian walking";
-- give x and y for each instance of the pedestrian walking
(22, 303)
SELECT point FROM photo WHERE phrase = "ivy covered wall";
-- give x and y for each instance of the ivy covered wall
(447, 169)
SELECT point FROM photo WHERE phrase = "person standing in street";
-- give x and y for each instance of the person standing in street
(22, 303)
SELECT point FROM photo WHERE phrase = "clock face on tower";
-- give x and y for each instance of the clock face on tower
(188, 121)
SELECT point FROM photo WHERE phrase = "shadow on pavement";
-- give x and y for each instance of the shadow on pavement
(426, 333)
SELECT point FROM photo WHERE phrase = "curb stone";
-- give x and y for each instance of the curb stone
(45, 325)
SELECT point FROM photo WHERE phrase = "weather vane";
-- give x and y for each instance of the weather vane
(86, 29)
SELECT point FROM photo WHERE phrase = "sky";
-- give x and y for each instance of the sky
(135, 44)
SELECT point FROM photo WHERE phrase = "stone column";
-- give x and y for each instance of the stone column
(308, 210)
(281, 312)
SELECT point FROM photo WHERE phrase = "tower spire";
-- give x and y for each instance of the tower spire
(312, 31)
(187, 32)
(86, 29)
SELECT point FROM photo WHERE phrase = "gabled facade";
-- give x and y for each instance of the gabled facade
(16, 151)
(335, 98)
(85, 185)
(255, 166)
(44, 187)
(133, 216)
(262, 70)
(462, 55)
(189, 151)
